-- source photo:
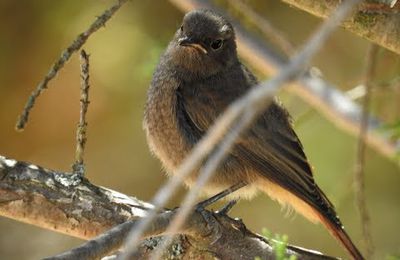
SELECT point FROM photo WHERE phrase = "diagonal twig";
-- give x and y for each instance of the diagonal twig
(65, 56)
(253, 103)
(265, 26)
(205, 174)
(246, 118)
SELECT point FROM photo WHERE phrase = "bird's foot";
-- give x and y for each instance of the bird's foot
(221, 195)
(226, 208)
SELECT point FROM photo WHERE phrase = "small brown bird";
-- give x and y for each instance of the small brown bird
(198, 76)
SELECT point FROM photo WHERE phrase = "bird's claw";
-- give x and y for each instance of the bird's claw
(226, 208)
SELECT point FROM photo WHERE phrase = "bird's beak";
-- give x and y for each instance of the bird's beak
(187, 41)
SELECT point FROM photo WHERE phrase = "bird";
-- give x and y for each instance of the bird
(196, 79)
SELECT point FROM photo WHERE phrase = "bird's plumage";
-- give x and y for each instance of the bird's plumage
(193, 84)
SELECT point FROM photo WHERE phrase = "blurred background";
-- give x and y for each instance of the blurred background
(122, 58)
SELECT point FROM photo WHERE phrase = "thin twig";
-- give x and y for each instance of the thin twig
(65, 56)
(251, 104)
(265, 26)
(79, 167)
(359, 173)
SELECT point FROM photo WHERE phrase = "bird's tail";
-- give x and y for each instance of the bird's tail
(325, 215)
(340, 234)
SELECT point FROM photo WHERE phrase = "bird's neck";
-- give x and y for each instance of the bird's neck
(190, 66)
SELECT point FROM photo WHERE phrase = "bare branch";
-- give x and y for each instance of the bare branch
(59, 202)
(359, 186)
(65, 56)
(79, 167)
(377, 22)
(266, 27)
(62, 202)
(250, 105)
(226, 237)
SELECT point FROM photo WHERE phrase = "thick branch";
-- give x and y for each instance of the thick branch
(64, 203)
(376, 22)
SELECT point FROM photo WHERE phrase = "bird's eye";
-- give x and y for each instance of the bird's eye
(181, 28)
(217, 44)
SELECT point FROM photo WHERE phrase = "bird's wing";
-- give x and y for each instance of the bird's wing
(199, 105)
(272, 148)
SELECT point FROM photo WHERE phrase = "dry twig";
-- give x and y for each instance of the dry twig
(79, 167)
(265, 26)
(359, 173)
(65, 56)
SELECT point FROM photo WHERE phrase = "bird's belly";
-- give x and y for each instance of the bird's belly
(167, 144)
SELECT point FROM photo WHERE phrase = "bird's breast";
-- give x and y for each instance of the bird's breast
(161, 125)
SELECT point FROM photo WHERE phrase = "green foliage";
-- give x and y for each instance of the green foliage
(279, 244)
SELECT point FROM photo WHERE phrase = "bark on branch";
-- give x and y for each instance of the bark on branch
(375, 21)
(66, 203)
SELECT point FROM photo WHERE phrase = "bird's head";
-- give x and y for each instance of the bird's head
(204, 44)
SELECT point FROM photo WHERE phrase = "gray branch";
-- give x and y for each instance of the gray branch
(376, 21)
(66, 203)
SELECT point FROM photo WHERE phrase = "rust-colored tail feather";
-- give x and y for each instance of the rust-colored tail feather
(340, 234)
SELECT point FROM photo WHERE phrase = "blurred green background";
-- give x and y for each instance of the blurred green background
(123, 56)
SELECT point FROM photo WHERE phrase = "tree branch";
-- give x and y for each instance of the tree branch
(62, 202)
(65, 203)
(377, 22)
(359, 172)
(79, 41)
